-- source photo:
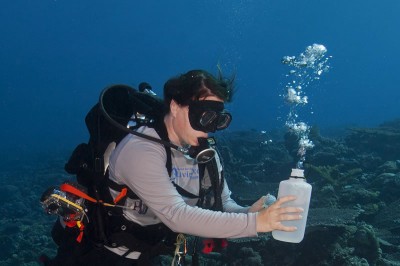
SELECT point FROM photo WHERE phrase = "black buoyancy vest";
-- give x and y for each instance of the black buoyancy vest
(141, 238)
(107, 225)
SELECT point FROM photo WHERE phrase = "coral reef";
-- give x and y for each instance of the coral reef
(383, 141)
(24, 227)
(354, 216)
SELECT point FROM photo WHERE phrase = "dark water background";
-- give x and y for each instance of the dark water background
(56, 56)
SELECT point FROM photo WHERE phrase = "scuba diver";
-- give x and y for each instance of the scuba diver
(165, 181)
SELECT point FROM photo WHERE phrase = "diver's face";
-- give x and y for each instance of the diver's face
(184, 131)
(208, 116)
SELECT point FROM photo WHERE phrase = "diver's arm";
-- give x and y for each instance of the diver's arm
(141, 166)
(229, 204)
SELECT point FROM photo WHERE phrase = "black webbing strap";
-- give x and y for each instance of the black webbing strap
(184, 192)
(202, 191)
(161, 130)
(118, 187)
(217, 184)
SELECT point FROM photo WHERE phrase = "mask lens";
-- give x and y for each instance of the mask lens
(212, 121)
(208, 118)
(224, 119)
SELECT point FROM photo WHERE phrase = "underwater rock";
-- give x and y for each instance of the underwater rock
(394, 124)
(291, 141)
(389, 186)
(389, 218)
(365, 243)
(247, 256)
(330, 244)
(254, 155)
(350, 185)
(386, 246)
(369, 162)
(358, 195)
(6, 247)
(324, 174)
(323, 158)
(389, 167)
(383, 141)
(8, 192)
(331, 217)
(329, 199)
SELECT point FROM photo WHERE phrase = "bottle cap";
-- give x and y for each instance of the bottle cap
(297, 173)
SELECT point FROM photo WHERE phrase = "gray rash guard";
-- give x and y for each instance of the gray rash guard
(140, 164)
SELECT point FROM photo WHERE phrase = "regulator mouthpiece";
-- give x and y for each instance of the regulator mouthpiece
(204, 152)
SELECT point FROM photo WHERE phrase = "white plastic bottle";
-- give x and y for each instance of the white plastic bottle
(297, 186)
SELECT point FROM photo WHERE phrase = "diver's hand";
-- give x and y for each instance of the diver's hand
(263, 202)
(258, 205)
(270, 218)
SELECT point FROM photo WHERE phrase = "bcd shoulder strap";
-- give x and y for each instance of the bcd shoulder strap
(161, 130)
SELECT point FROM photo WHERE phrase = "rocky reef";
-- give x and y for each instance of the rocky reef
(354, 216)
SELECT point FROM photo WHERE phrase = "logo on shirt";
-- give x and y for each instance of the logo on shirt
(184, 172)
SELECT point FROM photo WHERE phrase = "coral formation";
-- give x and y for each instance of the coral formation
(354, 216)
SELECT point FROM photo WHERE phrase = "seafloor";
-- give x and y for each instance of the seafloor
(354, 216)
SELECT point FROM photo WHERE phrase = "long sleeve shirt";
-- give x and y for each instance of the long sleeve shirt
(141, 165)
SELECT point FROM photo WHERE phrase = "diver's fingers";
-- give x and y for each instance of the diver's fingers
(277, 204)
(282, 227)
(285, 199)
(293, 210)
(287, 217)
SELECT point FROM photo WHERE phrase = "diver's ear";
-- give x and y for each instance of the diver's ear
(174, 107)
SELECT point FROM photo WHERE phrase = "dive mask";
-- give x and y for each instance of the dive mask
(208, 116)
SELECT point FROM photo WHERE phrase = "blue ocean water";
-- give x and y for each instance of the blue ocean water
(56, 56)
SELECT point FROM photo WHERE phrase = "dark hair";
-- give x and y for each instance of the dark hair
(197, 84)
